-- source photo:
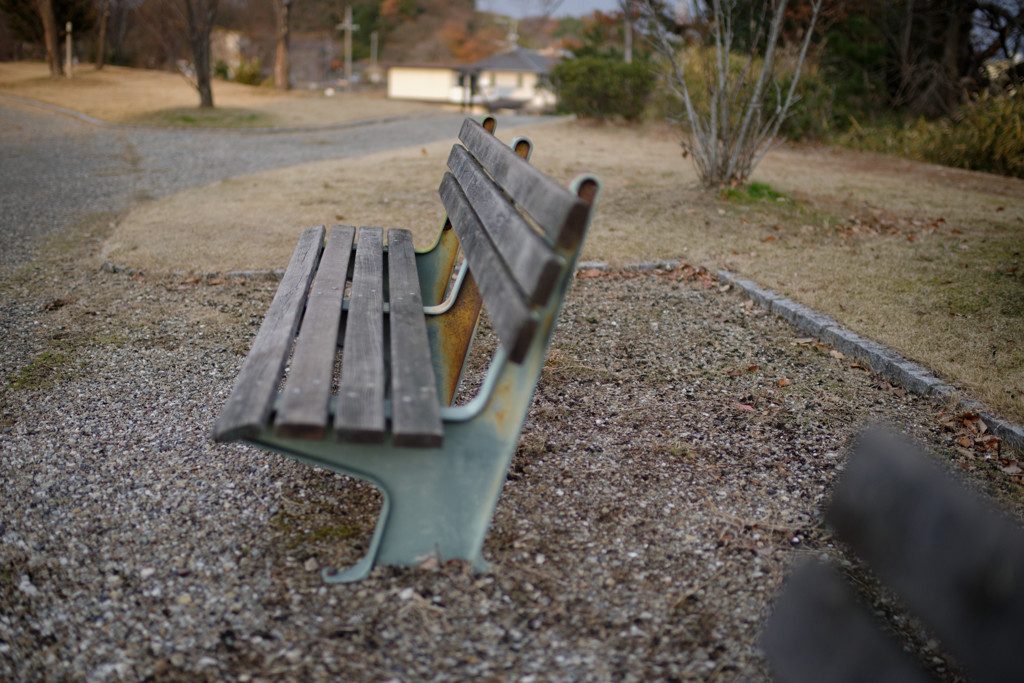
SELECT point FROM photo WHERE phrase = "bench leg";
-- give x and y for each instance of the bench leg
(437, 503)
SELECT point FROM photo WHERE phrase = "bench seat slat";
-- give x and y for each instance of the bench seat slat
(561, 214)
(415, 408)
(248, 408)
(511, 316)
(302, 410)
(531, 260)
(360, 413)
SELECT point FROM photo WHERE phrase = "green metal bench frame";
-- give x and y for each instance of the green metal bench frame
(438, 498)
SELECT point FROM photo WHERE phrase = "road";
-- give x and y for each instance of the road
(56, 169)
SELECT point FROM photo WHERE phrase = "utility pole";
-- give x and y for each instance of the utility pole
(67, 51)
(348, 27)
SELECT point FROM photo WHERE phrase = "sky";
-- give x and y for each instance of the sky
(523, 8)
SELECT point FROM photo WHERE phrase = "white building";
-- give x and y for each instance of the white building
(513, 79)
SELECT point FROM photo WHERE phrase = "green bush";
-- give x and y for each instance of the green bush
(249, 72)
(221, 70)
(599, 88)
(986, 134)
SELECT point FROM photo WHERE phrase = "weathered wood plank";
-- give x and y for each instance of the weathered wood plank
(958, 565)
(302, 410)
(561, 214)
(415, 409)
(528, 256)
(818, 632)
(360, 413)
(248, 408)
(506, 304)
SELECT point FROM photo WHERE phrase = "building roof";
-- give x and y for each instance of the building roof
(517, 60)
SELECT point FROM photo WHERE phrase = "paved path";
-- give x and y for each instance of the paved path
(56, 169)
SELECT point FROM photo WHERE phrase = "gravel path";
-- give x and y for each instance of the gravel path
(57, 169)
(674, 465)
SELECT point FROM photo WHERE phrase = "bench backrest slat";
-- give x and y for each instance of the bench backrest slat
(415, 408)
(302, 410)
(562, 215)
(529, 258)
(246, 412)
(360, 414)
(510, 314)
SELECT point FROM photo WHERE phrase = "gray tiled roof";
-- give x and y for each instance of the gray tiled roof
(517, 59)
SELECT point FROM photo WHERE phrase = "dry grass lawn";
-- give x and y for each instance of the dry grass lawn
(121, 95)
(924, 259)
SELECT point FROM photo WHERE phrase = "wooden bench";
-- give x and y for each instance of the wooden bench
(400, 332)
(954, 562)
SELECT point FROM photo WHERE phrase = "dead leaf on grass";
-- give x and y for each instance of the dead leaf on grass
(836, 354)
(744, 406)
(784, 382)
(1012, 468)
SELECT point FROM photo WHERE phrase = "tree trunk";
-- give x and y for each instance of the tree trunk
(45, 8)
(202, 57)
(101, 42)
(282, 65)
(199, 16)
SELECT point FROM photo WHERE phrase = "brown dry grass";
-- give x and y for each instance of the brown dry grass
(924, 259)
(121, 95)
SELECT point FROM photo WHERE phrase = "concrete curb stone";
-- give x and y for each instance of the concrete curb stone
(882, 360)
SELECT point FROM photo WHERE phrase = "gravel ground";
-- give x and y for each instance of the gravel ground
(664, 484)
(56, 169)
(680, 447)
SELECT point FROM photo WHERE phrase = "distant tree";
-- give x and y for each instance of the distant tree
(40, 22)
(101, 40)
(199, 16)
(282, 61)
(50, 37)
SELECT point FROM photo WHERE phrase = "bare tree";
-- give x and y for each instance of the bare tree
(45, 8)
(745, 103)
(199, 16)
(101, 41)
(282, 63)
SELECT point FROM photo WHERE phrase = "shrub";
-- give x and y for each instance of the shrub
(986, 134)
(249, 72)
(599, 88)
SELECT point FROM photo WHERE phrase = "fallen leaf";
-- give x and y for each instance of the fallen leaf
(858, 366)
(801, 341)
(217, 281)
(769, 238)
(784, 382)
(965, 441)
(1012, 468)
(591, 272)
(988, 442)
(752, 368)
(836, 354)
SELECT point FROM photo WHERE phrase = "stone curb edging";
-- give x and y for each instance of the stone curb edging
(882, 360)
